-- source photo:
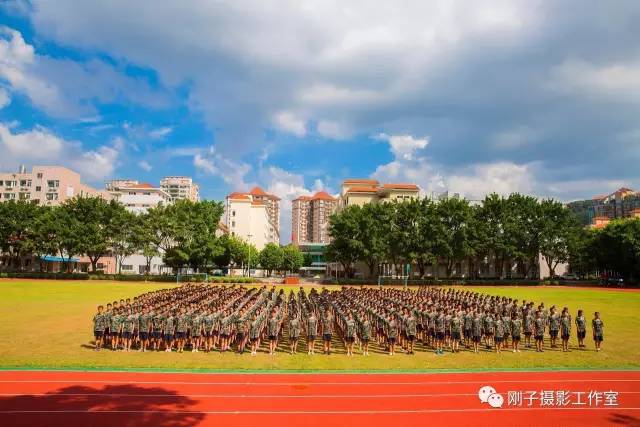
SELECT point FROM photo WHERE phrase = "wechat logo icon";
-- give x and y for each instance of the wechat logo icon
(488, 394)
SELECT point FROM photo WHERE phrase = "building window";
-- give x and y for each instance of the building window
(25, 196)
(39, 175)
(23, 183)
(233, 213)
(38, 188)
(233, 223)
(127, 267)
(52, 196)
(132, 193)
(53, 183)
(9, 196)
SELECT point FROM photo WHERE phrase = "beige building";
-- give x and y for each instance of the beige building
(310, 218)
(250, 218)
(180, 188)
(363, 191)
(138, 197)
(45, 185)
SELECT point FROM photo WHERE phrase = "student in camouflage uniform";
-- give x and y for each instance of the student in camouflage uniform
(598, 330)
(565, 328)
(516, 327)
(99, 326)
(294, 331)
(581, 328)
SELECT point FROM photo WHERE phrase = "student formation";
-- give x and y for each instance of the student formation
(200, 317)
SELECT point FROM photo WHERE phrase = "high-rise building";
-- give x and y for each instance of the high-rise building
(310, 218)
(138, 197)
(45, 185)
(273, 209)
(363, 191)
(180, 188)
(599, 210)
(249, 219)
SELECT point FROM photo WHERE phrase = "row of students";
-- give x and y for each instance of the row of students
(207, 318)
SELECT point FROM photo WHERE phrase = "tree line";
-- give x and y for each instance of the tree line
(182, 233)
(509, 233)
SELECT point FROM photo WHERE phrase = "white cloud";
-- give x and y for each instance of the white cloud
(145, 166)
(288, 122)
(501, 177)
(213, 163)
(616, 80)
(333, 129)
(404, 147)
(160, 133)
(40, 145)
(4, 98)
(65, 88)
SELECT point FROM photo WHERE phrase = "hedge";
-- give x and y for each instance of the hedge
(469, 282)
(127, 277)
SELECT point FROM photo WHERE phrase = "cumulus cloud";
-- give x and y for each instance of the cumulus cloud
(41, 145)
(66, 88)
(288, 122)
(4, 98)
(211, 162)
(468, 74)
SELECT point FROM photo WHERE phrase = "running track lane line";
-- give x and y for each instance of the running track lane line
(485, 416)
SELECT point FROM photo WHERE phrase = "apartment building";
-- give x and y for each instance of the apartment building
(45, 185)
(363, 191)
(137, 197)
(310, 218)
(599, 210)
(250, 219)
(180, 188)
(272, 203)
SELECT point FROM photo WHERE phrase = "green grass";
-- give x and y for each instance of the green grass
(47, 324)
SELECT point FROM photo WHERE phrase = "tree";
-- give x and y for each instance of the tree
(453, 231)
(16, 222)
(494, 215)
(93, 221)
(271, 258)
(557, 228)
(345, 246)
(292, 259)
(372, 221)
(125, 234)
(149, 238)
(42, 240)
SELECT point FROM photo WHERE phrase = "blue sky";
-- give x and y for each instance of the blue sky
(540, 97)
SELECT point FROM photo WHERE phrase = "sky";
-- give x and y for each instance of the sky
(537, 97)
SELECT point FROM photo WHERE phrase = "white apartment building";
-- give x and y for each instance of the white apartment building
(138, 197)
(249, 219)
(45, 185)
(180, 188)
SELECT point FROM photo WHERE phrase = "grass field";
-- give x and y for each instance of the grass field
(47, 324)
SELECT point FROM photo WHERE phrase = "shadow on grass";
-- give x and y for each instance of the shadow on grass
(111, 405)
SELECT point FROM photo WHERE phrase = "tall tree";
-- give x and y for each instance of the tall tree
(557, 228)
(454, 231)
(271, 258)
(292, 259)
(345, 247)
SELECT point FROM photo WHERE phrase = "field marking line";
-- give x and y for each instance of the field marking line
(257, 396)
(131, 382)
(199, 371)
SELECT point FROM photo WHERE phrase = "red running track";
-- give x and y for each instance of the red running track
(30, 398)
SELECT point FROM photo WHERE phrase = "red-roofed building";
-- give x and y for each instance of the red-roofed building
(363, 191)
(253, 216)
(310, 218)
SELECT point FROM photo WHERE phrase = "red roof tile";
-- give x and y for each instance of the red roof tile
(322, 195)
(141, 185)
(362, 189)
(401, 186)
(360, 181)
(238, 196)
